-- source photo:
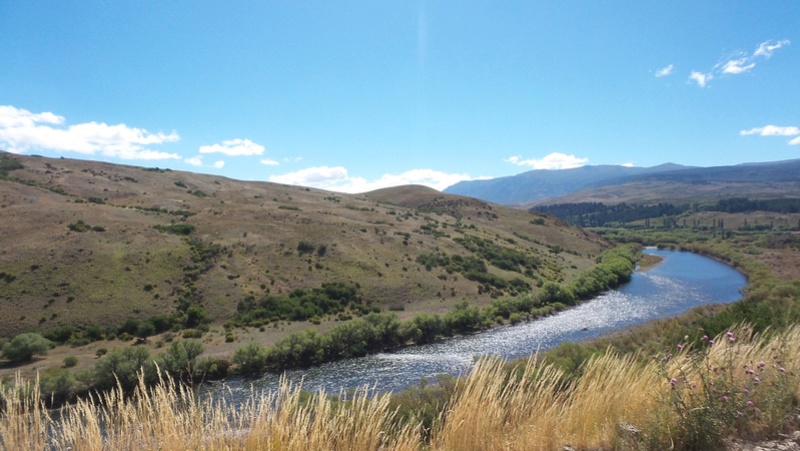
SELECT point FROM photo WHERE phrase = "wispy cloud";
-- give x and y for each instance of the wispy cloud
(219, 164)
(766, 49)
(555, 160)
(268, 162)
(737, 66)
(738, 63)
(234, 148)
(775, 130)
(22, 131)
(665, 71)
(338, 179)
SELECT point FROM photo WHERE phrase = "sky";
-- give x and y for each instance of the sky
(352, 96)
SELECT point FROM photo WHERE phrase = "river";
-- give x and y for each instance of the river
(679, 283)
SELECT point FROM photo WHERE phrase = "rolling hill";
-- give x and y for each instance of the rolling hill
(88, 243)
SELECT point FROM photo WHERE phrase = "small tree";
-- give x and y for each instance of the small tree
(181, 358)
(145, 329)
(24, 346)
(195, 315)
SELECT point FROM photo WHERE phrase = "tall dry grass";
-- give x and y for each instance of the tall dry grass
(170, 417)
(617, 402)
(541, 411)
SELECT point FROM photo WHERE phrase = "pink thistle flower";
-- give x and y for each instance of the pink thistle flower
(724, 398)
(705, 338)
(729, 334)
(679, 346)
(761, 364)
(749, 372)
(783, 370)
(711, 342)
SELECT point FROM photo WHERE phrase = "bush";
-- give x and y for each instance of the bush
(79, 226)
(176, 229)
(145, 329)
(24, 346)
(123, 365)
(180, 359)
(58, 386)
(250, 359)
(304, 247)
(70, 361)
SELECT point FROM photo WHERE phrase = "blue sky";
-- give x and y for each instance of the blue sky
(356, 95)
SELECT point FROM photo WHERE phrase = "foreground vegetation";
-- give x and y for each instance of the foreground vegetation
(736, 383)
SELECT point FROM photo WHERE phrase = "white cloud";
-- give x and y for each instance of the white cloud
(738, 66)
(555, 160)
(739, 63)
(766, 49)
(318, 177)
(268, 162)
(772, 130)
(663, 72)
(21, 131)
(701, 78)
(234, 148)
(775, 130)
(219, 164)
(195, 161)
(338, 179)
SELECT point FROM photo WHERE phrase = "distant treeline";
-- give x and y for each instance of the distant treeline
(597, 214)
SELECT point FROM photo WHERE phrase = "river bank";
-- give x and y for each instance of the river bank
(667, 290)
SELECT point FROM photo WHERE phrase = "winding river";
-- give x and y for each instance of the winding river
(680, 282)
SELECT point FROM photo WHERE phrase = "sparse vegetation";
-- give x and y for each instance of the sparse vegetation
(8, 164)
(176, 229)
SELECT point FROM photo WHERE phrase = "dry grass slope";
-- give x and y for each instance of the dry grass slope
(80, 244)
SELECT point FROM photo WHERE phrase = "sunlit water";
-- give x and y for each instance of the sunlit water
(682, 281)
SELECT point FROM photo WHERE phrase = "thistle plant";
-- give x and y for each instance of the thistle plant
(728, 388)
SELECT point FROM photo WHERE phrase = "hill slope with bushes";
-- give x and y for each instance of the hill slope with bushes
(88, 244)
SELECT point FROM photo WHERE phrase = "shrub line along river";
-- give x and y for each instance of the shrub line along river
(679, 283)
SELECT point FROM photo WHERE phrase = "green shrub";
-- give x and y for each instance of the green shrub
(123, 365)
(176, 229)
(180, 359)
(192, 333)
(24, 346)
(57, 386)
(305, 247)
(79, 226)
(70, 361)
(251, 359)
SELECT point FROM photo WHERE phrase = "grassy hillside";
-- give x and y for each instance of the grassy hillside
(89, 243)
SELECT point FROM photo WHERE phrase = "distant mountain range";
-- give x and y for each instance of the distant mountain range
(614, 184)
